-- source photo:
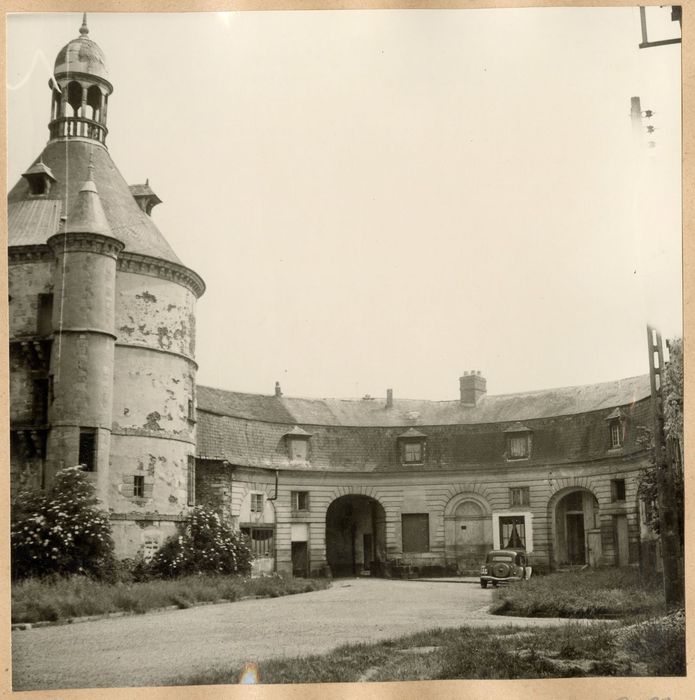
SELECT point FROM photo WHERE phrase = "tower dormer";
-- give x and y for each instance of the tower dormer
(80, 90)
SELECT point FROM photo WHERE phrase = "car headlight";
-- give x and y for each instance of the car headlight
(483, 569)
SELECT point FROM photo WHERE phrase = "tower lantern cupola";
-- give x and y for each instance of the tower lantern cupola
(80, 90)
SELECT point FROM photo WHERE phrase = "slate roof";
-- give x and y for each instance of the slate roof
(32, 220)
(504, 408)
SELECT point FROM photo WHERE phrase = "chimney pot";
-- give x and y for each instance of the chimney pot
(389, 398)
(278, 390)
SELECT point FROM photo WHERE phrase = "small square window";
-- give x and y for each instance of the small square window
(517, 446)
(257, 503)
(617, 490)
(519, 496)
(616, 434)
(300, 500)
(413, 452)
(138, 486)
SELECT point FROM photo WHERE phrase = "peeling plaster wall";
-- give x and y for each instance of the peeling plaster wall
(155, 313)
(152, 433)
(163, 464)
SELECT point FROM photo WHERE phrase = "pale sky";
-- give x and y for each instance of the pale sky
(388, 198)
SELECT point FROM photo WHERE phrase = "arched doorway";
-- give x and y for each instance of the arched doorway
(467, 532)
(577, 534)
(355, 535)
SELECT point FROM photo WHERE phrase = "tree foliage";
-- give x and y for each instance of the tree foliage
(205, 544)
(672, 392)
(61, 530)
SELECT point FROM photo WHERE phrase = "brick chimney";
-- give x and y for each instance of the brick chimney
(389, 398)
(473, 388)
(278, 390)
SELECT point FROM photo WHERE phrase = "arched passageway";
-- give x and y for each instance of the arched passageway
(355, 535)
(577, 535)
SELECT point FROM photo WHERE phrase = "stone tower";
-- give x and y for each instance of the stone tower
(102, 320)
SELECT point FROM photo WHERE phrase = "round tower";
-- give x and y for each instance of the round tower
(82, 357)
(102, 321)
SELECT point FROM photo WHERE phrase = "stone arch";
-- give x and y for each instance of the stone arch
(355, 532)
(74, 97)
(467, 530)
(94, 100)
(573, 514)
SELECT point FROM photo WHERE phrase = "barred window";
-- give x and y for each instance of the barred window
(261, 539)
(616, 434)
(138, 486)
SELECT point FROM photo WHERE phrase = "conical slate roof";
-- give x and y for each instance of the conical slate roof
(68, 160)
(86, 215)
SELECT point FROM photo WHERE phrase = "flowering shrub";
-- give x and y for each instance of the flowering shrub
(60, 531)
(205, 544)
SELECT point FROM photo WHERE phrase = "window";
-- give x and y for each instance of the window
(262, 540)
(617, 490)
(298, 450)
(412, 452)
(616, 434)
(300, 500)
(190, 488)
(44, 315)
(191, 410)
(513, 532)
(87, 458)
(416, 532)
(519, 496)
(40, 400)
(138, 486)
(517, 446)
(256, 502)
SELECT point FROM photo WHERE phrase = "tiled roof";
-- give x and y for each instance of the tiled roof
(557, 440)
(505, 408)
(33, 220)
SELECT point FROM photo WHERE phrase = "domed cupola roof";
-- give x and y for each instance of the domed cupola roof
(81, 55)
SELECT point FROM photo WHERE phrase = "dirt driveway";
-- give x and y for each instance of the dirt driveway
(154, 649)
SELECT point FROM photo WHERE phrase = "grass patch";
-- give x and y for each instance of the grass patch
(35, 600)
(654, 647)
(599, 593)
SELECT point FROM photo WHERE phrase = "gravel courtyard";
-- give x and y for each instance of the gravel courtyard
(156, 648)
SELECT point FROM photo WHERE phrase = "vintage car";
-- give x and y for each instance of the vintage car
(504, 566)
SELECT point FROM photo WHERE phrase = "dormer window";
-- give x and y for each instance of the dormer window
(145, 197)
(39, 178)
(298, 444)
(412, 445)
(518, 442)
(616, 429)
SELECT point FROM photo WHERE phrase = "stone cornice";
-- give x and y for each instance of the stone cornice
(18, 254)
(155, 267)
(85, 243)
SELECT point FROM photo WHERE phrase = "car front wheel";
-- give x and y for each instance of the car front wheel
(483, 584)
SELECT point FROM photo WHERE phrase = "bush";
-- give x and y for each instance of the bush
(61, 531)
(205, 544)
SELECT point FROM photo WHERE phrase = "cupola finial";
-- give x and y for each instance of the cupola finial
(84, 29)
